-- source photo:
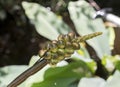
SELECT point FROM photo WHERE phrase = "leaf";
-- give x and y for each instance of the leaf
(91, 82)
(117, 65)
(9, 73)
(46, 22)
(64, 76)
(81, 14)
(91, 63)
(111, 62)
(112, 81)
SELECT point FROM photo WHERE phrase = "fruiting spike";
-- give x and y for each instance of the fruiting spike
(53, 56)
(64, 46)
(89, 36)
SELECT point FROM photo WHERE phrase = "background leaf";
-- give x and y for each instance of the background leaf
(113, 81)
(46, 22)
(8, 73)
(81, 14)
(91, 82)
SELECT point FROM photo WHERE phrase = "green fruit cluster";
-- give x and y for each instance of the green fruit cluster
(63, 47)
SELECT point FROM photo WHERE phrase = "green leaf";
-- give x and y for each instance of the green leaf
(112, 81)
(111, 62)
(91, 82)
(46, 22)
(64, 76)
(91, 63)
(81, 14)
(117, 65)
(9, 73)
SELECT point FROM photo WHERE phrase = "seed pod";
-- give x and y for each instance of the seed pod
(68, 44)
(61, 57)
(69, 51)
(60, 37)
(53, 62)
(60, 44)
(54, 41)
(53, 48)
(49, 46)
(54, 56)
(67, 55)
(61, 52)
(72, 35)
(42, 52)
(48, 55)
(66, 38)
(75, 46)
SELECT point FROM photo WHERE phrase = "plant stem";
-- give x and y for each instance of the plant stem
(94, 4)
(32, 70)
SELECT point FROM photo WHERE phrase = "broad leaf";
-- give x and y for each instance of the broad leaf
(111, 62)
(46, 22)
(64, 76)
(9, 73)
(112, 81)
(81, 14)
(91, 82)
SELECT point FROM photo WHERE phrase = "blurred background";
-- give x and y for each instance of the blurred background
(19, 39)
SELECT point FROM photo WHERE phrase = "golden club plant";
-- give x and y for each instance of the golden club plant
(54, 52)
(63, 47)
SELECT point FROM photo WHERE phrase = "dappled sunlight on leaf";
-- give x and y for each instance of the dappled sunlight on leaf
(8, 73)
(46, 22)
(81, 14)
(113, 81)
(63, 76)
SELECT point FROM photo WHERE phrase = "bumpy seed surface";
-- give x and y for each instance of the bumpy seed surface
(64, 46)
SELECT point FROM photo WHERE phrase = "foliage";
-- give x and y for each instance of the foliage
(66, 75)
(112, 81)
(82, 68)
(9, 73)
(47, 23)
(82, 16)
